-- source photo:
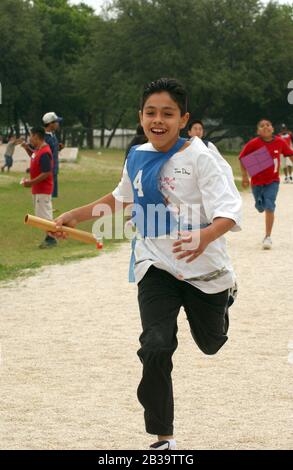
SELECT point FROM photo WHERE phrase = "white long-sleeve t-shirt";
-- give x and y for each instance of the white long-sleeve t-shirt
(194, 177)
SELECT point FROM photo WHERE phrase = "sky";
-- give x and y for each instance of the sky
(97, 4)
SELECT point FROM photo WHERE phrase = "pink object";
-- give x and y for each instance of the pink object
(256, 162)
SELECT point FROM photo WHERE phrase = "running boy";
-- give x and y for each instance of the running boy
(41, 180)
(173, 273)
(265, 185)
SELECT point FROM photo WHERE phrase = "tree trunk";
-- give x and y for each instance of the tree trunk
(90, 131)
(64, 135)
(115, 127)
(82, 134)
(103, 128)
(16, 121)
(27, 131)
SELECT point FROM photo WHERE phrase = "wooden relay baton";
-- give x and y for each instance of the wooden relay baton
(50, 226)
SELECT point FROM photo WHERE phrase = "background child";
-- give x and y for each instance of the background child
(196, 129)
(9, 151)
(52, 124)
(193, 271)
(286, 162)
(41, 180)
(265, 185)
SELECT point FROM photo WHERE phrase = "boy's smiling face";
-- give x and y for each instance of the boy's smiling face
(265, 130)
(162, 121)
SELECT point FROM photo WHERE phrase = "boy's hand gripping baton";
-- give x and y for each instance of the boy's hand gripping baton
(50, 226)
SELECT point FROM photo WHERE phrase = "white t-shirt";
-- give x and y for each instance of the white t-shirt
(194, 176)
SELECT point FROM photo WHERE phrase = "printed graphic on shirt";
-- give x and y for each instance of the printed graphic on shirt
(167, 183)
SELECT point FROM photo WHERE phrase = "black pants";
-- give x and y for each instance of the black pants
(160, 297)
(55, 185)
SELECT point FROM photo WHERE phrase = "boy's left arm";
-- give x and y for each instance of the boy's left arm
(221, 205)
(29, 183)
(193, 244)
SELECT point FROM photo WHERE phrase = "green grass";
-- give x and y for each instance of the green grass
(80, 183)
(233, 159)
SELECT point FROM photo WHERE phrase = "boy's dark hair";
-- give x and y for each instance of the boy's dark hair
(139, 130)
(39, 131)
(263, 119)
(194, 121)
(172, 86)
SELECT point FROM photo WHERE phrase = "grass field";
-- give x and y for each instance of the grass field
(92, 176)
(232, 159)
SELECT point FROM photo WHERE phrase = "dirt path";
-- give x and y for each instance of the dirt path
(69, 369)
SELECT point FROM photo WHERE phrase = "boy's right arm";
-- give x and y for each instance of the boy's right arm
(84, 213)
(27, 148)
(121, 197)
(245, 178)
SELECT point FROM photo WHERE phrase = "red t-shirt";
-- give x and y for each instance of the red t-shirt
(276, 148)
(287, 137)
(45, 186)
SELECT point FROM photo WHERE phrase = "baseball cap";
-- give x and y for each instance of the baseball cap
(51, 117)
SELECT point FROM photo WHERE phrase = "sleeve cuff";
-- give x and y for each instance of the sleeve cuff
(226, 215)
(121, 198)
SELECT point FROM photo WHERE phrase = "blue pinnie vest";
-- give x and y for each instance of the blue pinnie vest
(143, 168)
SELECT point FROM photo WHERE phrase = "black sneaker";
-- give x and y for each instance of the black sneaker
(48, 243)
(164, 445)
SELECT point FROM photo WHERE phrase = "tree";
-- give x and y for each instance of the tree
(20, 44)
(103, 88)
(64, 29)
(234, 56)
